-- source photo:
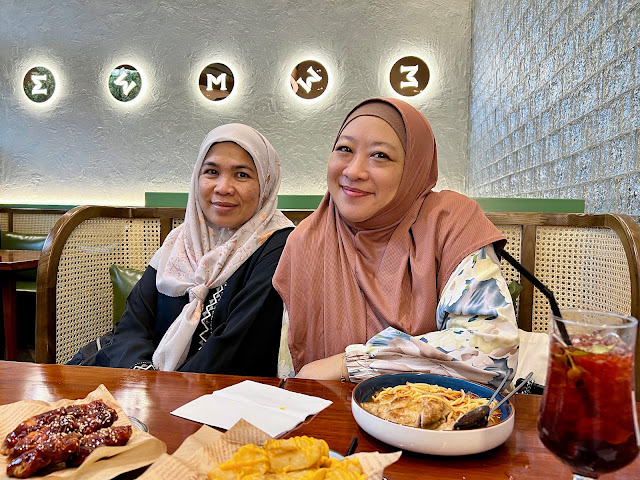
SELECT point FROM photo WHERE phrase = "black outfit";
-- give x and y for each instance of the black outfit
(243, 336)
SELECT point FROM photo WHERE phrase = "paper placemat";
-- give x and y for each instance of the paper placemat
(141, 450)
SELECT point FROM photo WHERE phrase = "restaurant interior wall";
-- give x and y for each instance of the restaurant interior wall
(85, 147)
(555, 102)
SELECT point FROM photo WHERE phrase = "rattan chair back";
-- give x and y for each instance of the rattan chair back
(74, 295)
(29, 220)
(587, 260)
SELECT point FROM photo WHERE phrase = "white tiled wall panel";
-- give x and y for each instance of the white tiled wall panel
(555, 102)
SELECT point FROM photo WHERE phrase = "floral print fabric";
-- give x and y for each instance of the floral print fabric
(477, 337)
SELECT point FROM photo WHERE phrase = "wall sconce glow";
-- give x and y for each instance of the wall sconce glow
(39, 84)
(216, 81)
(409, 76)
(125, 83)
(309, 79)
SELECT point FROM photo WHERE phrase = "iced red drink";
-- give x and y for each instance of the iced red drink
(588, 414)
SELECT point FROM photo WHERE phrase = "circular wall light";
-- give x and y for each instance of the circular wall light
(309, 79)
(125, 83)
(216, 81)
(39, 84)
(409, 76)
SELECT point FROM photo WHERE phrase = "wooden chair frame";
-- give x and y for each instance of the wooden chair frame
(623, 225)
(50, 257)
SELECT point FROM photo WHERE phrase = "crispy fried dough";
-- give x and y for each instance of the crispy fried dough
(296, 458)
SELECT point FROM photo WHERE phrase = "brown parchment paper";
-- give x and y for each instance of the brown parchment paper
(142, 448)
(201, 451)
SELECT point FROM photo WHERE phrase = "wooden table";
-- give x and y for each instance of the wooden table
(12, 261)
(150, 396)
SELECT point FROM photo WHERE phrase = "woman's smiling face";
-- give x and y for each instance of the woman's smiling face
(365, 168)
(228, 186)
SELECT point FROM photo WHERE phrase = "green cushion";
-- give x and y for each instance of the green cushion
(25, 279)
(514, 289)
(123, 281)
(26, 286)
(22, 241)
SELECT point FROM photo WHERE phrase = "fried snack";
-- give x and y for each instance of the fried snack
(107, 437)
(55, 449)
(84, 419)
(296, 458)
(296, 453)
(248, 460)
(32, 439)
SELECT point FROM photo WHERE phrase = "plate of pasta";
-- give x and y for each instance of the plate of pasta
(416, 412)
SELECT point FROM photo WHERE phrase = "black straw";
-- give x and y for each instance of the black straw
(543, 289)
(352, 447)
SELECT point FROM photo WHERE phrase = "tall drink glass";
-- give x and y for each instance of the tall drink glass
(588, 414)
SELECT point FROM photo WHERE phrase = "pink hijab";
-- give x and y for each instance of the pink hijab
(344, 282)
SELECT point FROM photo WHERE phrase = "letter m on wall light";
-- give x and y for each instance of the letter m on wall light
(220, 80)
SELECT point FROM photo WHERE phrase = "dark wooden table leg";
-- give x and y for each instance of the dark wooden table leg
(9, 314)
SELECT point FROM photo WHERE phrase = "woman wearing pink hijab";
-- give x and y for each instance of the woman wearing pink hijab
(388, 275)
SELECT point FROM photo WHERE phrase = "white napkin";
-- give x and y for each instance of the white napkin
(271, 409)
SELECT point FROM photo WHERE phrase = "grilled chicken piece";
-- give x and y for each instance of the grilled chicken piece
(85, 418)
(92, 416)
(107, 437)
(29, 425)
(55, 449)
(427, 413)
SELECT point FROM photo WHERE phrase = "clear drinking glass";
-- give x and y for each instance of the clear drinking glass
(588, 414)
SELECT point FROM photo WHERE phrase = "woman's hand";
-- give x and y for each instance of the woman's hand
(330, 368)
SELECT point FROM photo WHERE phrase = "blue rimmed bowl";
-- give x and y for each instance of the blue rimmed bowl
(433, 442)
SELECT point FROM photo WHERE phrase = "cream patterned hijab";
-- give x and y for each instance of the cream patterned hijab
(196, 257)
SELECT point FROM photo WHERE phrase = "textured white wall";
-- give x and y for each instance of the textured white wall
(555, 102)
(85, 147)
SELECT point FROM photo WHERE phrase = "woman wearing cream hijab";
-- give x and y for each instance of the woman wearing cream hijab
(401, 278)
(205, 302)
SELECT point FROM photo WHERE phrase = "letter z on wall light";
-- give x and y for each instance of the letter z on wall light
(309, 79)
(125, 83)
